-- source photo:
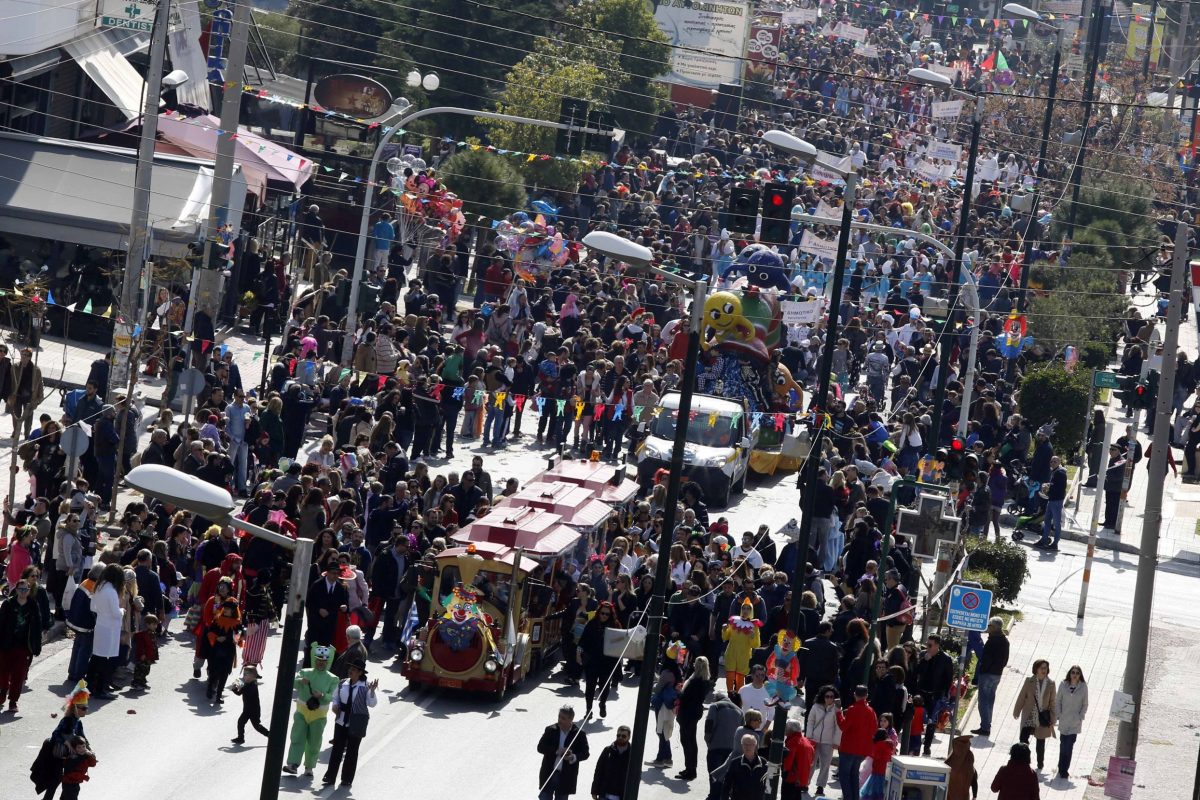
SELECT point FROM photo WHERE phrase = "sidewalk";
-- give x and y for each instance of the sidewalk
(1098, 644)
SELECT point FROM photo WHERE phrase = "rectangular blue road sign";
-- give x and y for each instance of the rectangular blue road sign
(969, 608)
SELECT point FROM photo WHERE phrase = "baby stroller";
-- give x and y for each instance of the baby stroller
(1026, 501)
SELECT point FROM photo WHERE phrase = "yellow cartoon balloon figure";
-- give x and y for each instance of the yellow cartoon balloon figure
(723, 315)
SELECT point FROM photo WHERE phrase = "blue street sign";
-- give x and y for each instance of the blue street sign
(969, 608)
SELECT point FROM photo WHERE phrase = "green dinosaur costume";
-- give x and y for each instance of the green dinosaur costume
(308, 724)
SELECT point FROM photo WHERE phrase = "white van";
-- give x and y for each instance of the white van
(717, 455)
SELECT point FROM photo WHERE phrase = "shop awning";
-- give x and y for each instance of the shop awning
(110, 70)
(261, 159)
(83, 194)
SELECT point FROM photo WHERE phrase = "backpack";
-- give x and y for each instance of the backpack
(906, 607)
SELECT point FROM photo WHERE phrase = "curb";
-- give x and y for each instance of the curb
(1103, 541)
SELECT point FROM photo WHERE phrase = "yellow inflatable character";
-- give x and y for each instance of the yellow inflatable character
(785, 384)
(723, 314)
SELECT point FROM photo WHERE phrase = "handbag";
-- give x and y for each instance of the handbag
(1044, 719)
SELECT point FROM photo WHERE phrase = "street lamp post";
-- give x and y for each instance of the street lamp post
(394, 127)
(932, 78)
(624, 250)
(793, 145)
(214, 503)
(1023, 12)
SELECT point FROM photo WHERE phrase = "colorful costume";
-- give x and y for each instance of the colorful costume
(783, 669)
(314, 692)
(743, 637)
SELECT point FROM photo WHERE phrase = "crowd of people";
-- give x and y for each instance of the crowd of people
(467, 342)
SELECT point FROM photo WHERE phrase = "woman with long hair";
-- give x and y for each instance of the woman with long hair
(598, 668)
(691, 708)
(1036, 709)
(1070, 707)
(106, 637)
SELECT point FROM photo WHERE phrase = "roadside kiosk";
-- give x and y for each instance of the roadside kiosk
(916, 778)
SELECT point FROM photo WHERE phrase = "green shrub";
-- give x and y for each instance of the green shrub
(984, 577)
(1051, 394)
(1004, 562)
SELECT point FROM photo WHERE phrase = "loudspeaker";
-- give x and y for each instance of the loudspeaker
(728, 106)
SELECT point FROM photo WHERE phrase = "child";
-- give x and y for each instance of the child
(221, 649)
(247, 687)
(76, 766)
(917, 729)
(145, 651)
(881, 755)
(887, 723)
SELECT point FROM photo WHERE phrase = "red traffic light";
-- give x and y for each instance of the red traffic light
(776, 200)
(956, 444)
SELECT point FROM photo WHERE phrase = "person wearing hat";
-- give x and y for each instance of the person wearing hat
(326, 597)
(47, 769)
(314, 692)
(247, 689)
(351, 703)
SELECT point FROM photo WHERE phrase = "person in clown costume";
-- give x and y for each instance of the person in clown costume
(314, 691)
(742, 635)
(783, 669)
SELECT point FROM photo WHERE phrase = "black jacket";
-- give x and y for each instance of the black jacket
(576, 743)
(691, 700)
(744, 779)
(29, 633)
(934, 676)
(994, 658)
(386, 575)
(819, 661)
(609, 778)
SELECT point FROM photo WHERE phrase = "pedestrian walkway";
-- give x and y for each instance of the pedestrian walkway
(1097, 644)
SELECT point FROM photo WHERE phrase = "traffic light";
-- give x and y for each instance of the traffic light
(743, 210)
(777, 214)
(954, 459)
(1146, 392)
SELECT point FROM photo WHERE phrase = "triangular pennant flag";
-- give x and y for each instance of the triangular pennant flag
(436, 392)
(459, 392)
(540, 402)
(989, 63)
(712, 419)
(107, 313)
(562, 406)
(1001, 62)
(87, 307)
(380, 383)
(637, 413)
(292, 367)
(50, 298)
(519, 402)
(480, 396)
(735, 419)
(499, 398)
(205, 345)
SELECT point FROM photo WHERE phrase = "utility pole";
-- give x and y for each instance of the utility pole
(139, 223)
(1096, 27)
(1178, 66)
(206, 280)
(1143, 593)
(1095, 521)
(1150, 41)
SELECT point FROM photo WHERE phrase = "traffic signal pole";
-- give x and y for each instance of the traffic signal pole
(1143, 593)
(1131, 445)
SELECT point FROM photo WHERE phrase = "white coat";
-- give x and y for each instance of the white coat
(821, 726)
(1071, 708)
(106, 641)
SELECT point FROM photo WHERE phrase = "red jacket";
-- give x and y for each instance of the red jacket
(797, 758)
(1016, 782)
(858, 725)
(881, 756)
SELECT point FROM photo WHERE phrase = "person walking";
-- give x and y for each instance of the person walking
(608, 782)
(964, 782)
(1056, 496)
(562, 746)
(351, 701)
(744, 780)
(599, 670)
(691, 710)
(799, 754)
(247, 689)
(858, 725)
(821, 726)
(20, 641)
(1015, 780)
(988, 671)
(1114, 479)
(720, 726)
(1035, 708)
(1070, 707)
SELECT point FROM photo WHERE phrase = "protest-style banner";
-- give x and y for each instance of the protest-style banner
(803, 312)
(821, 248)
(866, 50)
(848, 31)
(826, 211)
(800, 16)
(945, 151)
(947, 110)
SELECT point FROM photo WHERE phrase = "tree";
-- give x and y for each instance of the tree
(535, 88)
(488, 185)
(340, 30)
(1051, 394)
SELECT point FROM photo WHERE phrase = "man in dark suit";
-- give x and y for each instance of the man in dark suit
(562, 747)
(149, 589)
(326, 596)
(819, 663)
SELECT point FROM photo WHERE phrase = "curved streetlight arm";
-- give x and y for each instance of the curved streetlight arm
(368, 201)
